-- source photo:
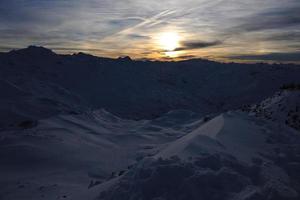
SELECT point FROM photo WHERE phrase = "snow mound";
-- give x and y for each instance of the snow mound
(233, 156)
(207, 176)
(233, 132)
(201, 137)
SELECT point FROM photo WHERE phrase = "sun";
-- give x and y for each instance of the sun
(169, 41)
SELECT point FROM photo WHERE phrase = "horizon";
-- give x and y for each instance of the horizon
(218, 30)
(253, 62)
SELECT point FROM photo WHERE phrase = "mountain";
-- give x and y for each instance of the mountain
(84, 127)
(130, 89)
(283, 107)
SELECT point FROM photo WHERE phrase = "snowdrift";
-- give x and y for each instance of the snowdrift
(233, 156)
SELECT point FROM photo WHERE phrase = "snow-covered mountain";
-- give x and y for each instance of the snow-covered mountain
(283, 107)
(51, 84)
(82, 127)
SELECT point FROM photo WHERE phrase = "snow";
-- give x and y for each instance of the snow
(226, 158)
(210, 129)
(230, 132)
(70, 151)
(283, 107)
(83, 127)
(64, 155)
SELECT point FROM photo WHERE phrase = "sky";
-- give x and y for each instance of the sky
(226, 30)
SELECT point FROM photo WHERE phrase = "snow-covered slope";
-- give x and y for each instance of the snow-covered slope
(179, 155)
(283, 107)
(67, 154)
(234, 156)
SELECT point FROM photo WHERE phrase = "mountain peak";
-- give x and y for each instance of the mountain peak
(35, 51)
(84, 55)
(125, 58)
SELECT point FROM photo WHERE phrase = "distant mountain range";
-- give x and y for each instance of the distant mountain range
(37, 83)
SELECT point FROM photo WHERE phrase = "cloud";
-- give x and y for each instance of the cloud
(189, 45)
(280, 57)
(275, 18)
(125, 22)
(138, 37)
(284, 36)
(186, 57)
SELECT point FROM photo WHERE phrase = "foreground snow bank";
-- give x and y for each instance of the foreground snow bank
(234, 156)
(207, 176)
(66, 155)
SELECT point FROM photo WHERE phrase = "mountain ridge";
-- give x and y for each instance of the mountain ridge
(42, 49)
(134, 89)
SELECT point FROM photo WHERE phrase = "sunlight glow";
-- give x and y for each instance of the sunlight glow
(172, 54)
(169, 41)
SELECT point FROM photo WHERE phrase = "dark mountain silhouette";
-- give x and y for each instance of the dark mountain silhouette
(131, 89)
